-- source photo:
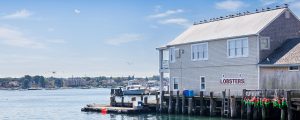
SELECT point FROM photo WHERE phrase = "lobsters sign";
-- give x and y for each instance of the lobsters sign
(232, 81)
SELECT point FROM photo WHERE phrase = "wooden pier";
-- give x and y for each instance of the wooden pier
(250, 104)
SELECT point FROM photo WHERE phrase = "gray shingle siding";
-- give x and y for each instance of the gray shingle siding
(279, 31)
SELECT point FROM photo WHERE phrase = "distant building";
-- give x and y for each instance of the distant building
(244, 51)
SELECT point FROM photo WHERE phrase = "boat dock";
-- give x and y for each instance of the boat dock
(250, 104)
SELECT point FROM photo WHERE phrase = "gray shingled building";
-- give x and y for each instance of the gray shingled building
(242, 51)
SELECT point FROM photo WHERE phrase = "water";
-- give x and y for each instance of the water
(65, 104)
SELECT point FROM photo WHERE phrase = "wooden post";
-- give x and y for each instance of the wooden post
(212, 104)
(233, 107)
(183, 104)
(177, 102)
(289, 105)
(255, 113)
(249, 117)
(201, 103)
(122, 101)
(263, 109)
(142, 97)
(112, 101)
(223, 103)
(157, 101)
(161, 105)
(190, 106)
(282, 111)
(170, 108)
(145, 100)
(243, 105)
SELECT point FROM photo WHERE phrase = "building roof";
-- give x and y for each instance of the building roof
(244, 25)
(288, 53)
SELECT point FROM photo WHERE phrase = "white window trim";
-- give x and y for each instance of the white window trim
(293, 70)
(173, 82)
(269, 46)
(201, 89)
(172, 53)
(200, 59)
(238, 56)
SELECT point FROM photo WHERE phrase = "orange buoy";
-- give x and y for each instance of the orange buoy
(103, 111)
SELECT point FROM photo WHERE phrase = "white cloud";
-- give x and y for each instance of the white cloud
(16, 38)
(296, 5)
(19, 14)
(124, 38)
(178, 21)
(77, 11)
(166, 14)
(230, 5)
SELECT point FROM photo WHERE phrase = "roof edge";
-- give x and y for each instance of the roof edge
(278, 65)
(217, 39)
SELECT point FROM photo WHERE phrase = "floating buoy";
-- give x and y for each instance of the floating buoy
(103, 111)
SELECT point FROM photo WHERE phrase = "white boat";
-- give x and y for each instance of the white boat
(134, 88)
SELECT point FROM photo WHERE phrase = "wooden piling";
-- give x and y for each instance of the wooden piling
(233, 107)
(255, 113)
(146, 100)
(112, 101)
(190, 106)
(201, 103)
(177, 102)
(212, 105)
(223, 103)
(170, 107)
(122, 101)
(157, 101)
(183, 104)
(289, 105)
(249, 112)
(263, 109)
(161, 105)
(243, 104)
(142, 97)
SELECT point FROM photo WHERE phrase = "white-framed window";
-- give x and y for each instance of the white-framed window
(172, 55)
(202, 83)
(293, 68)
(237, 47)
(199, 51)
(175, 83)
(264, 43)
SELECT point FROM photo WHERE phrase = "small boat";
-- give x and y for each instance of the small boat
(134, 90)
(34, 89)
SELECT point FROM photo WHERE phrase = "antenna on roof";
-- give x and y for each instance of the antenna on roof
(277, 7)
(257, 11)
(268, 8)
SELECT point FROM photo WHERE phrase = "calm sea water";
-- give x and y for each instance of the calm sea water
(65, 104)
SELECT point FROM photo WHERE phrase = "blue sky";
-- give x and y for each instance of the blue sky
(107, 37)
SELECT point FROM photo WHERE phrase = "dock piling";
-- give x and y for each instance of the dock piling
(183, 104)
(289, 105)
(212, 104)
(170, 107)
(201, 103)
(177, 102)
(233, 107)
(190, 106)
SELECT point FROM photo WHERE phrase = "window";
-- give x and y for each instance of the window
(172, 54)
(202, 83)
(264, 43)
(175, 83)
(199, 51)
(294, 68)
(237, 47)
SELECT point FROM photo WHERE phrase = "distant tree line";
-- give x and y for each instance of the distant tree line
(52, 82)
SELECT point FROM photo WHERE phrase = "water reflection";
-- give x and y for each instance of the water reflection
(159, 117)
